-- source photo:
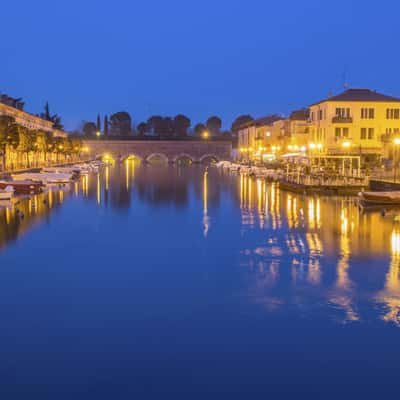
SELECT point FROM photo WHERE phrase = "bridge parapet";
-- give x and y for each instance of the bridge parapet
(197, 151)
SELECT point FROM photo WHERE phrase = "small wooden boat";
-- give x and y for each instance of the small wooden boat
(23, 187)
(380, 198)
(7, 193)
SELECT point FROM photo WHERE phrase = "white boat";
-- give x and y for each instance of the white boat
(380, 198)
(7, 193)
(61, 170)
(234, 167)
(46, 178)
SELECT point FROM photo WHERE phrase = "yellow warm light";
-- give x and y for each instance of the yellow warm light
(290, 147)
(312, 146)
(319, 146)
(303, 148)
(396, 141)
(205, 135)
(98, 133)
(346, 144)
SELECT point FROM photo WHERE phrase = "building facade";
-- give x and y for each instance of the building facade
(28, 120)
(357, 121)
(257, 138)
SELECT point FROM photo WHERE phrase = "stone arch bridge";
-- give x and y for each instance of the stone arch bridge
(171, 151)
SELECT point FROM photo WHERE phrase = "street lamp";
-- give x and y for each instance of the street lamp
(98, 133)
(396, 143)
(346, 144)
(205, 135)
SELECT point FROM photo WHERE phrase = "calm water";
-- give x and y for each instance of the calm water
(169, 282)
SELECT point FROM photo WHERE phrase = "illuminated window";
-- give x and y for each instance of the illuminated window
(392, 113)
(367, 113)
(343, 112)
(367, 133)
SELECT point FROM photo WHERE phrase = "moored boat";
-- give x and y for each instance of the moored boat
(379, 198)
(7, 193)
(23, 187)
(49, 177)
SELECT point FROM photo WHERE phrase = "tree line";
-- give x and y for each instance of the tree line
(165, 127)
(21, 147)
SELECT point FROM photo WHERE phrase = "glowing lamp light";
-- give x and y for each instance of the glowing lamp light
(268, 134)
(346, 144)
(205, 135)
(98, 133)
(290, 147)
(303, 148)
(396, 141)
(312, 146)
(319, 146)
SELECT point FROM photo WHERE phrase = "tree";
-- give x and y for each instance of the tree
(98, 127)
(55, 119)
(76, 145)
(242, 119)
(167, 127)
(142, 129)
(8, 133)
(120, 124)
(199, 129)
(155, 124)
(105, 125)
(89, 129)
(26, 142)
(41, 144)
(181, 125)
(214, 125)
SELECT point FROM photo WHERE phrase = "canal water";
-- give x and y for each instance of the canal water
(148, 281)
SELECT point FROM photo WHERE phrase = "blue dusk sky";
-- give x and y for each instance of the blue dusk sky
(194, 57)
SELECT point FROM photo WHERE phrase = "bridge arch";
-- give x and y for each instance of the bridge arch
(106, 156)
(209, 158)
(131, 156)
(183, 157)
(157, 156)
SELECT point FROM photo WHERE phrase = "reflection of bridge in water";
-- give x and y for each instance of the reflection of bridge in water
(196, 151)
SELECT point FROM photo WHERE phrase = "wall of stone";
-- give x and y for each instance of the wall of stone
(172, 150)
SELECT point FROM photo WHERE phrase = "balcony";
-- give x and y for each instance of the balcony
(342, 120)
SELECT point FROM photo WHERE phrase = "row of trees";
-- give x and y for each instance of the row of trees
(120, 124)
(21, 147)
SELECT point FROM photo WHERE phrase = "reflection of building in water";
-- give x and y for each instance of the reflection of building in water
(390, 295)
(17, 219)
(304, 235)
(343, 293)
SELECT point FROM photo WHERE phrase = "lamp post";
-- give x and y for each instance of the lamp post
(346, 146)
(396, 143)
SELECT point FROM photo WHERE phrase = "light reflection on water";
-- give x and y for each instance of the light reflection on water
(167, 271)
(296, 253)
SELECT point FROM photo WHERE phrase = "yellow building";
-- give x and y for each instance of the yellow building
(293, 133)
(30, 121)
(357, 121)
(257, 138)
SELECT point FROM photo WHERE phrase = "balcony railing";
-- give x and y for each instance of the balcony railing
(342, 120)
